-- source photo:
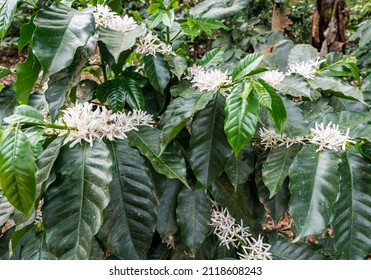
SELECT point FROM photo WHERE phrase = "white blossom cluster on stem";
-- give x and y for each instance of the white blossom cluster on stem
(306, 69)
(232, 234)
(151, 44)
(270, 139)
(329, 137)
(207, 79)
(273, 77)
(86, 123)
(104, 17)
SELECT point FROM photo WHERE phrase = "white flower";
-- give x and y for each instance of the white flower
(305, 69)
(256, 250)
(209, 80)
(329, 137)
(270, 139)
(104, 17)
(151, 44)
(193, 71)
(274, 77)
(86, 124)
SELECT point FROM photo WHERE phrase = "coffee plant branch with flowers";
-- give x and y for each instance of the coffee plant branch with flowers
(162, 156)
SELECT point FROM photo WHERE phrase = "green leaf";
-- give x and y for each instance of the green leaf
(4, 71)
(25, 114)
(236, 200)
(168, 18)
(169, 163)
(32, 246)
(277, 111)
(4, 243)
(246, 66)
(117, 42)
(27, 74)
(242, 113)
(8, 101)
(166, 210)
(26, 32)
(209, 149)
(178, 65)
(17, 169)
(284, 249)
(6, 209)
(337, 87)
(193, 215)
(302, 53)
(155, 19)
(157, 70)
(74, 203)
(212, 58)
(179, 112)
(352, 220)
(208, 24)
(263, 95)
(238, 169)
(314, 188)
(295, 86)
(276, 167)
(130, 217)
(60, 31)
(219, 9)
(296, 124)
(8, 9)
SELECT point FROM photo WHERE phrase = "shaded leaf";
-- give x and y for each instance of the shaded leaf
(284, 249)
(157, 70)
(218, 8)
(6, 209)
(8, 101)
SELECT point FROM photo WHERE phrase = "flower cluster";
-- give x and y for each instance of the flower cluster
(230, 233)
(329, 137)
(104, 17)
(305, 69)
(209, 80)
(151, 44)
(270, 139)
(274, 77)
(88, 124)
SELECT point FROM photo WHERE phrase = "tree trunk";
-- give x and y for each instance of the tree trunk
(329, 24)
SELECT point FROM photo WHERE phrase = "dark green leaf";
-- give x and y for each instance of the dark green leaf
(352, 220)
(25, 114)
(17, 169)
(242, 112)
(26, 32)
(169, 163)
(27, 74)
(117, 42)
(314, 188)
(179, 112)
(166, 210)
(8, 101)
(296, 124)
(212, 58)
(60, 31)
(8, 9)
(6, 209)
(302, 53)
(296, 86)
(209, 149)
(246, 66)
(276, 167)
(193, 215)
(130, 217)
(157, 70)
(178, 65)
(284, 249)
(74, 203)
(4, 243)
(337, 88)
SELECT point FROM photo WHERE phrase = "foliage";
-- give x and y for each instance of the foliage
(231, 137)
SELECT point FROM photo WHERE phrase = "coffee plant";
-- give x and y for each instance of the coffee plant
(117, 143)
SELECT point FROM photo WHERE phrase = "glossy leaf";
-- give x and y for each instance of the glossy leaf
(302, 53)
(284, 249)
(209, 149)
(276, 167)
(218, 8)
(26, 32)
(337, 87)
(178, 65)
(60, 31)
(314, 188)
(27, 74)
(212, 58)
(352, 220)
(179, 112)
(25, 114)
(169, 163)
(74, 203)
(246, 66)
(295, 86)
(296, 124)
(157, 70)
(17, 169)
(4, 243)
(6, 209)
(193, 215)
(242, 113)
(8, 9)
(130, 217)
(8, 101)
(117, 42)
